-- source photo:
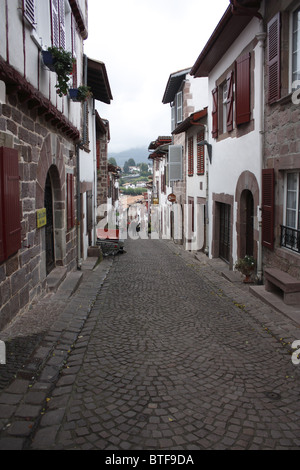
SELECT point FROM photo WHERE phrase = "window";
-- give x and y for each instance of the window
(179, 107)
(173, 121)
(268, 208)
(274, 75)
(10, 224)
(58, 23)
(296, 49)
(290, 232)
(224, 93)
(200, 154)
(29, 11)
(242, 89)
(190, 156)
(215, 117)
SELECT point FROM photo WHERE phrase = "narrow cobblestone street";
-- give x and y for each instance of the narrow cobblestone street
(171, 356)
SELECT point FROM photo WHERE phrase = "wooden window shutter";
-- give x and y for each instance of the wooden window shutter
(274, 75)
(268, 208)
(200, 154)
(70, 201)
(242, 92)
(98, 147)
(230, 102)
(215, 121)
(191, 156)
(62, 24)
(29, 11)
(55, 23)
(74, 73)
(2, 251)
(10, 241)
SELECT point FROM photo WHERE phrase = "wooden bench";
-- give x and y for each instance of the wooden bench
(275, 278)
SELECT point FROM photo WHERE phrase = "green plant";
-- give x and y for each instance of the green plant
(246, 265)
(84, 92)
(63, 68)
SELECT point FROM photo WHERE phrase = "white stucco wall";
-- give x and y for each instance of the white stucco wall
(232, 156)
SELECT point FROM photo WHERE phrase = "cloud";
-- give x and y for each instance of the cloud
(141, 43)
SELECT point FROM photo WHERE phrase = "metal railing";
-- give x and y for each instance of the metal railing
(290, 238)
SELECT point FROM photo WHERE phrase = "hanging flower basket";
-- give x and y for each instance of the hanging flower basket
(48, 60)
(61, 62)
(80, 94)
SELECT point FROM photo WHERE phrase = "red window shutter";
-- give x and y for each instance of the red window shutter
(215, 122)
(55, 23)
(70, 201)
(242, 91)
(200, 154)
(29, 11)
(268, 208)
(191, 156)
(274, 75)
(230, 102)
(98, 153)
(62, 24)
(2, 252)
(74, 73)
(10, 203)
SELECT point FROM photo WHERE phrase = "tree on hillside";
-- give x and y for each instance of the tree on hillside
(143, 169)
(112, 161)
(131, 162)
(126, 167)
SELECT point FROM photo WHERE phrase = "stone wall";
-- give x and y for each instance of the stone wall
(41, 149)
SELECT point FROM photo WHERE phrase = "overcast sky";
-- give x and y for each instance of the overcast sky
(141, 43)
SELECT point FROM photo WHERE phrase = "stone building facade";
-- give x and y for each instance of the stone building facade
(282, 136)
(39, 136)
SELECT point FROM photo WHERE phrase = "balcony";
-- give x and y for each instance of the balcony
(290, 238)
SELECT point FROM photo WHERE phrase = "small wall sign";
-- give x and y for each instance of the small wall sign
(41, 218)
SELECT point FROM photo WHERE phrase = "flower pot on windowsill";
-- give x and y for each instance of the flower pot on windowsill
(49, 60)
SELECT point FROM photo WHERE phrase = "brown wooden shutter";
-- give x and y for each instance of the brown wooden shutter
(70, 201)
(200, 154)
(268, 208)
(190, 156)
(29, 11)
(274, 75)
(10, 202)
(215, 122)
(230, 102)
(242, 92)
(2, 252)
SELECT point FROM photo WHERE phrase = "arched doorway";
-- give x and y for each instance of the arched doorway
(247, 223)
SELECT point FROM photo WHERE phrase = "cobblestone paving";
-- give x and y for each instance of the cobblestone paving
(167, 361)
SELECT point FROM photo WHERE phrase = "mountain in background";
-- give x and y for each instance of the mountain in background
(139, 155)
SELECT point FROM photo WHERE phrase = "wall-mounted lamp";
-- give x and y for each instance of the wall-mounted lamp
(209, 148)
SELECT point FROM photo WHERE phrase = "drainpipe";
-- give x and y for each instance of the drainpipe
(260, 60)
(79, 258)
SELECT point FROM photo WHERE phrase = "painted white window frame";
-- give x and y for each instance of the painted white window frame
(291, 71)
(179, 106)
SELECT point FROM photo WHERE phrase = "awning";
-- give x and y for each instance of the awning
(97, 80)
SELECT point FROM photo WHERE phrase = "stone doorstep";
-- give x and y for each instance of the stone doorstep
(275, 301)
(55, 278)
(70, 284)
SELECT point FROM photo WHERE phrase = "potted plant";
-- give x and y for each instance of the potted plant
(61, 62)
(246, 266)
(81, 93)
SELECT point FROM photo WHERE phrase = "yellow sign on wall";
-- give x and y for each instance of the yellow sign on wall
(41, 218)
